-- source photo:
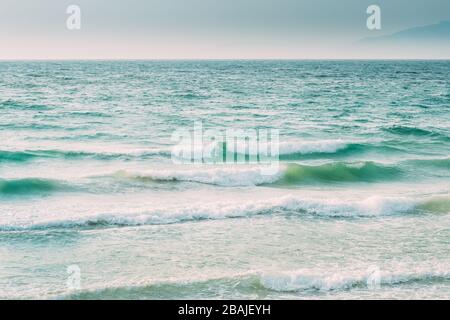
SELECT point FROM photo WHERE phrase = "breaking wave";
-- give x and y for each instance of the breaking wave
(293, 282)
(339, 172)
(290, 174)
(307, 280)
(287, 205)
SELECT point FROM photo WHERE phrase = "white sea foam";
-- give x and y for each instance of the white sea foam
(308, 279)
(283, 147)
(210, 150)
(231, 176)
(307, 147)
(253, 175)
(279, 281)
(303, 146)
(370, 207)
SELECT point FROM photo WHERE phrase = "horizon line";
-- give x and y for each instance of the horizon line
(220, 59)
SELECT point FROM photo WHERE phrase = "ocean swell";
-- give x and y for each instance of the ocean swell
(29, 186)
(288, 205)
(26, 155)
(339, 172)
(417, 132)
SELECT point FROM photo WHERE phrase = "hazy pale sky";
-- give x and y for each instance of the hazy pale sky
(177, 29)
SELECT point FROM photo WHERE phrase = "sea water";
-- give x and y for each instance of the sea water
(93, 206)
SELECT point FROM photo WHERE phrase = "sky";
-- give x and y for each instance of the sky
(210, 29)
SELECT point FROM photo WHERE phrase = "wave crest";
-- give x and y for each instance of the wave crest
(306, 280)
(339, 172)
(290, 174)
(232, 284)
(413, 131)
(287, 205)
(29, 186)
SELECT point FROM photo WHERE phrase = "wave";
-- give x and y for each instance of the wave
(287, 151)
(12, 104)
(306, 280)
(435, 205)
(276, 175)
(413, 131)
(33, 126)
(308, 147)
(26, 155)
(284, 148)
(339, 172)
(294, 282)
(443, 163)
(286, 206)
(291, 174)
(18, 156)
(223, 176)
(292, 149)
(88, 114)
(229, 176)
(30, 186)
(22, 156)
(340, 149)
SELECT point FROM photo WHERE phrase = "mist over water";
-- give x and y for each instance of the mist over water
(87, 179)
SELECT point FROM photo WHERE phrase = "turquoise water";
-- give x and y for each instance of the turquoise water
(362, 193)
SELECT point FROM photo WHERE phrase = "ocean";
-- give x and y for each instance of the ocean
(93, 205)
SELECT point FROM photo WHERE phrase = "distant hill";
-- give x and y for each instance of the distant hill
(435, 33)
